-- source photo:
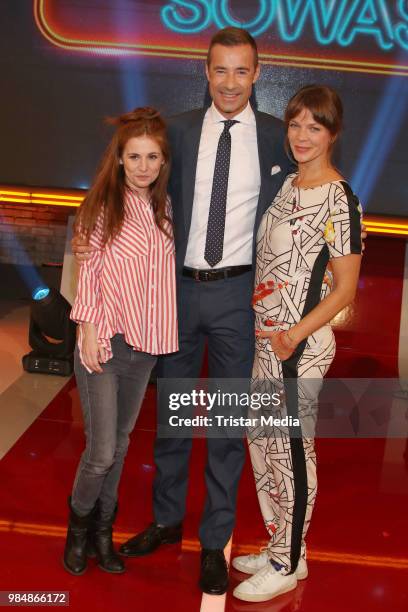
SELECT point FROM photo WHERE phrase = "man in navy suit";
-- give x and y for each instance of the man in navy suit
(228, 162)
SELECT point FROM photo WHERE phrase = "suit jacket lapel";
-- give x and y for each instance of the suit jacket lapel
(271, 152)
(191, 143)
(265, 154)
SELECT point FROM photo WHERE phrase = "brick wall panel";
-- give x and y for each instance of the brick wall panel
(33, 234)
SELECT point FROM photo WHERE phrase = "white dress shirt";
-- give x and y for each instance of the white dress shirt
(243, 190)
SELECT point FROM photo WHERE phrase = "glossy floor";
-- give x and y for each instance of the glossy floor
(358, 541)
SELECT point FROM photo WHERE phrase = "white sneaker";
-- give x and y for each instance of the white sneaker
(266, 584)
(250, 564)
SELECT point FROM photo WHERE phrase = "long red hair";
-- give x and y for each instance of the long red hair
(106, 194)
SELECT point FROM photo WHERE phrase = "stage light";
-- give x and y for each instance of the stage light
(51, 334)
(46, 199)
(40, 293)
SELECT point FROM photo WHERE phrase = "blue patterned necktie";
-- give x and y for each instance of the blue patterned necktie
(214, 243)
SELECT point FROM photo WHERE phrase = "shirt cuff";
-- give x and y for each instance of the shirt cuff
(81, 313)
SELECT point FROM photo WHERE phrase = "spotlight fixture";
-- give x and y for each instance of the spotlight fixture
(51, 334)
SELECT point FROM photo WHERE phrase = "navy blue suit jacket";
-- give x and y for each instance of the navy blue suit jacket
(184, 134)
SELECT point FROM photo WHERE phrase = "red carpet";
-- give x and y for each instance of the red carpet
(358, 540)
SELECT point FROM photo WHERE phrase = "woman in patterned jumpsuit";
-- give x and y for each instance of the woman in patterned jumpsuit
(314, 220)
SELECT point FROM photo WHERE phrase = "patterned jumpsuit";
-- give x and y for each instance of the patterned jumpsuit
(299, 233)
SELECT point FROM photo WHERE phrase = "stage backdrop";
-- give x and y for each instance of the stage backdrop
(66, 64)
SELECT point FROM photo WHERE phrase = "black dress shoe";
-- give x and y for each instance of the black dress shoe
(147, 541)
(214, 572)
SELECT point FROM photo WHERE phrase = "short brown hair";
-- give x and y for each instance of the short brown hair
(323, 102)
(231, 37)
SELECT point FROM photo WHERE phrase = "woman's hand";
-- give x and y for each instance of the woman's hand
(282, 345)
(92, 353)
(81, 249)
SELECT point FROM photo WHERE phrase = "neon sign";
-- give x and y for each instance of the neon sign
(339, 21)
(368, 36)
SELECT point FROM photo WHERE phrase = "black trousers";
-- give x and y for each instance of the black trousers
(219, 313)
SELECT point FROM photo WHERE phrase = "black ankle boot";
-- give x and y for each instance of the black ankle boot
(108, 559)
(75, 546)
(90, 542)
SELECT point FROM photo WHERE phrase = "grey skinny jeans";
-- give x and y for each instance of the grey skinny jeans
(111, 403)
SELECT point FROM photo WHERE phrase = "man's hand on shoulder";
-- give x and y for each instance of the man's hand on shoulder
(363, 236)
(81, 248)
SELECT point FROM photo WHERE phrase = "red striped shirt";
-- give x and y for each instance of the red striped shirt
(128, 286)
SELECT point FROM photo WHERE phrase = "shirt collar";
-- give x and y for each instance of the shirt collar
(132, 195)
(246, 116)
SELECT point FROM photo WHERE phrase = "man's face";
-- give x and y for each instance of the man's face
(231, 74)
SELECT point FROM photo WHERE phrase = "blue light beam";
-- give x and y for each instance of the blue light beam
(25, 267)
(132, 82)
(385, 125)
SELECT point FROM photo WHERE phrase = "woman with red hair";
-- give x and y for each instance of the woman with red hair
(125, 308)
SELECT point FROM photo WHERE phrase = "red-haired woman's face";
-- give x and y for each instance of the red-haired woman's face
(309, 141)
(142, 159)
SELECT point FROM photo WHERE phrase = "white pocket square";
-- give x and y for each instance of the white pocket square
(275, 170)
